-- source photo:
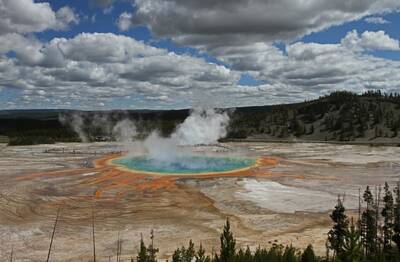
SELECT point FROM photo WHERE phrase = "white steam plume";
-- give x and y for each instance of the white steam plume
(76, 121)
(161, 148)
(125, 131)
(203, 126)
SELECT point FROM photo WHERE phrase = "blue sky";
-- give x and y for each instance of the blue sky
(105, 54)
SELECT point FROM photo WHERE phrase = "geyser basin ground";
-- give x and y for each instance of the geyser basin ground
(184, 164)
(285, 196)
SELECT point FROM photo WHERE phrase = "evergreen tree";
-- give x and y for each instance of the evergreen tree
(201, 255)
(308, 255)
(143, 255)
(152, 251)
(388, 216)
(244, 256)
(275, 252)
(312, 129)
(352, 248)
(247, 255)
(369, 225)
(190, 252)
(337, 234)
(177, 256)
(186, 254)
(227, 251)
(396, 226)
(290, 254)
(240, 257)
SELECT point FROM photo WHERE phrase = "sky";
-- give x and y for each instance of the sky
(169, 54)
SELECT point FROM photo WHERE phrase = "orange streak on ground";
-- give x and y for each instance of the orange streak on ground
(268, 161)
(77, 171)
(113, 178)
(102, 162)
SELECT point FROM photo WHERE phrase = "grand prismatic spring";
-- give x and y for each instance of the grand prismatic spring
(184, 164)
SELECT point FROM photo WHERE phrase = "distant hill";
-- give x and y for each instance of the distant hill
(340, 116)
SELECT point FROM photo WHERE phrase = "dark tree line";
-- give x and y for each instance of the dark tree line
(375, 236)
(340, 116)
(229, 253)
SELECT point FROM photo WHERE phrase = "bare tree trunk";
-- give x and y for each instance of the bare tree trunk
(52, 235)
(378, 201)
(118, 248)
(359, 205)
(12, 253)
(94, 239)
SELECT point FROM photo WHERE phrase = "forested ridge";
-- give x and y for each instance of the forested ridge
(339, 116)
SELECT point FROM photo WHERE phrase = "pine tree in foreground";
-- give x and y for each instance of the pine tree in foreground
(367, 240)
(396, 226)
(228, 243)
(308, 255)
(368, 225)
(143, 255)
(352, 248)
(184, 254)
(336, 236)
(388, 218)
(291, 254)
(152, 251)
(201, 255)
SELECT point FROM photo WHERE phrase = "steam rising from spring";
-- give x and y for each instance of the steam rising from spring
(76, 122)
(202, 126)
(125, 131)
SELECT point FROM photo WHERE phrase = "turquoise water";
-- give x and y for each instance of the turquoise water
(184, 164)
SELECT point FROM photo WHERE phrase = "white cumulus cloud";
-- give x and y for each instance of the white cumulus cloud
(27, 16)
(93, 69)
(371, 40)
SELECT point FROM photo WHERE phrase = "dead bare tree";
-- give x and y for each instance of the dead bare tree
(359, 204)
(93, 236)
(52, 235)
(118, 248)
(12, 253)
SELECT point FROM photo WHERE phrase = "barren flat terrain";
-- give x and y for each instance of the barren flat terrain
(287, 199)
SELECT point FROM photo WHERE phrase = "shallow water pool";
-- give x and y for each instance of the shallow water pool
(184, 164)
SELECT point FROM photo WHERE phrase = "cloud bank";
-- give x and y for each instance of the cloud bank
(209, 24)
(94, 70)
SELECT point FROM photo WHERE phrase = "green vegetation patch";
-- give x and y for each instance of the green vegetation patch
(4, 139)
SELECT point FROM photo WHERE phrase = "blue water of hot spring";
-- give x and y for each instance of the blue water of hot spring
(184, 164)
